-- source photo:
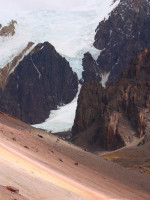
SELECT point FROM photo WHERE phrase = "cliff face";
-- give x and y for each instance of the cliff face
(112, 117)
(42, 81)
(91, 70)
(122, 36)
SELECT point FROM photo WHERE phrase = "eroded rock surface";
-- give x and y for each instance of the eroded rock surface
(123, 35)
(113, 117)
(91, 70)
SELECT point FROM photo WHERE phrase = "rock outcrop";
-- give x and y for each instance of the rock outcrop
(8, 30)
(42, 81)
(122, 36)
(111, 118)
(10, 192)
(12, 189)
(91, 70)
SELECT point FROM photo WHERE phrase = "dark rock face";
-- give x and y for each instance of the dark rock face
(91, 70)
(42, 81)
(111, 118)
(123, 35)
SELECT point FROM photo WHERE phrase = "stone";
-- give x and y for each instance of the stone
(8, 30)
(26, 147)
(12, 189)
(91, 70)
(41, 82)
(110, 118)
(76, 163)
(122, 36)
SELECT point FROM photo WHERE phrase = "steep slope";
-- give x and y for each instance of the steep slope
(91, 71)
(121, 36)
(42, 81)
(32, 164)
(72, 34)
(115, 116)
(10, 66)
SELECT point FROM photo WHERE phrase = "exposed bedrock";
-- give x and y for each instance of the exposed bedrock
(8, 30)
(91, 70)
(122, 36)
(113, 117)
(42, 81)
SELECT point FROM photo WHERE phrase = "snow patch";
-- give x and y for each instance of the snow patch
(61, 119)
(104, 80)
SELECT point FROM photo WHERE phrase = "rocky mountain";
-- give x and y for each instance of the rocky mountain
(114, 117)
(91, 70)
(123, 30)
(70, 32)
(40, 82)
(122, 36)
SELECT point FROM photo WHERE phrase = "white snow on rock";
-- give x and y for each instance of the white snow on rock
(104, 79)
(61, 119)
(71, 33)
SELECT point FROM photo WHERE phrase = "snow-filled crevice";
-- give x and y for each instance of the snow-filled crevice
(35, 67)
(104, 79)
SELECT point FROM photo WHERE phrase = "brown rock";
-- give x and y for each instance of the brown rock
(122, 36)
(112, 117)
(60, 160)
(40, 136)
(76, 163)
(26, 147)
(8, 30)
(91, 70)
(13, 189)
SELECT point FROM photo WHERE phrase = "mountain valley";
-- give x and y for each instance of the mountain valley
(75, 102)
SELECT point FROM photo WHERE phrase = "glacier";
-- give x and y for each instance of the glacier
(70, 32)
